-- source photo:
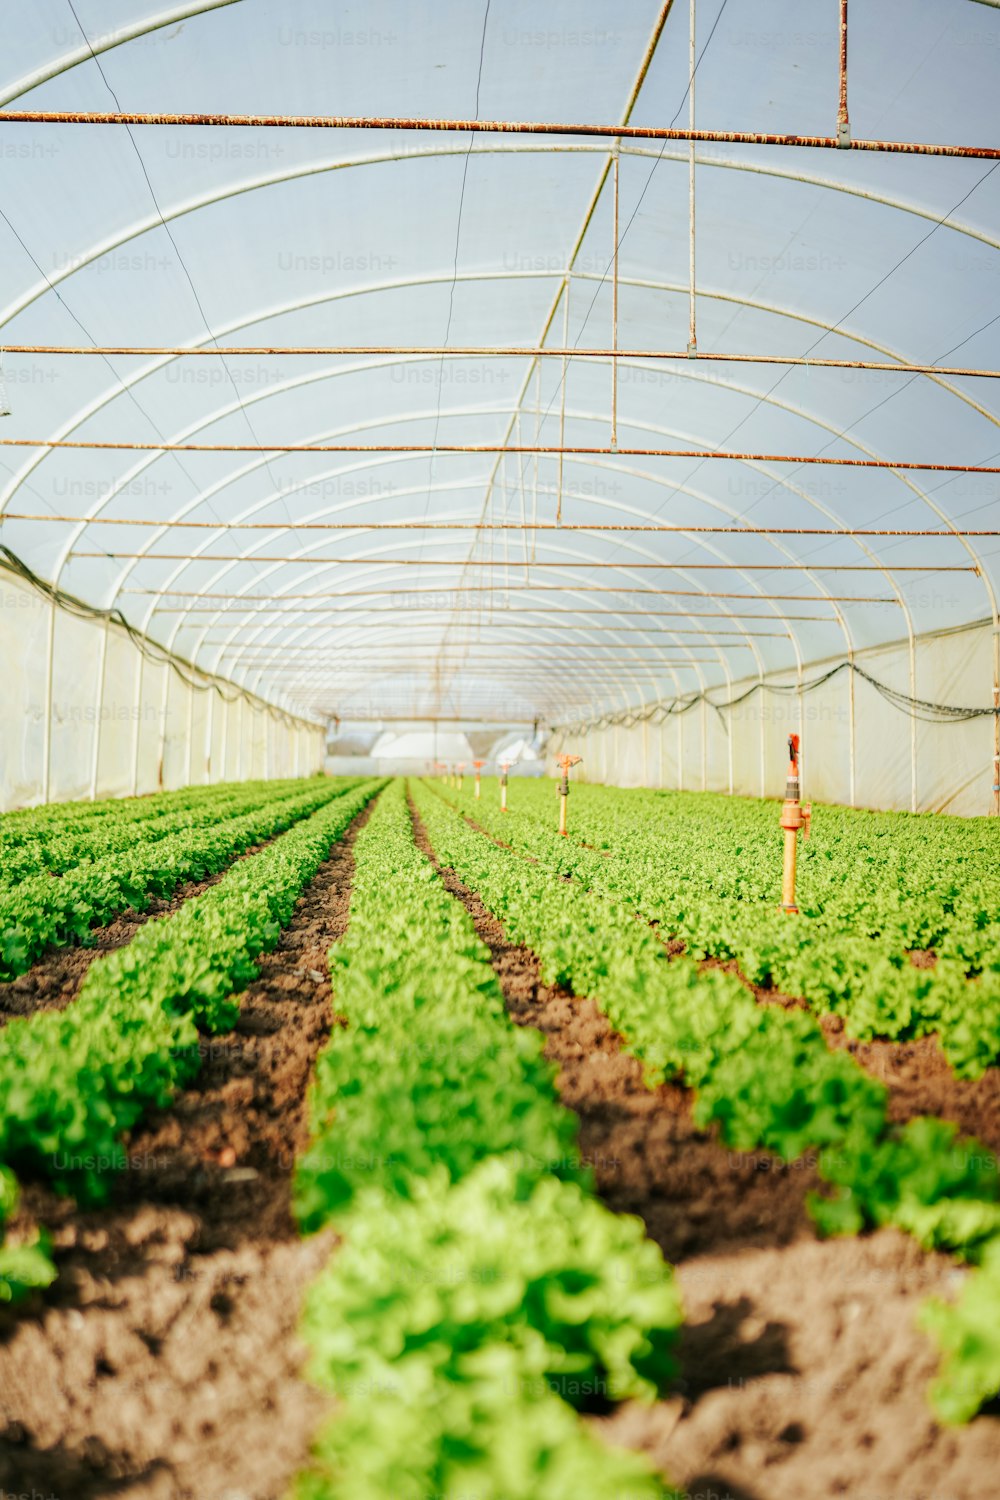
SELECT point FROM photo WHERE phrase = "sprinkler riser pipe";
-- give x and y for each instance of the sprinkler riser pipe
(788, 871)
(793, 818)
(563, 787)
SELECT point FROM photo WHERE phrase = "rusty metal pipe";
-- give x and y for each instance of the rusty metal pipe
(487, 127)
(552, 449)
(843, 123)
(531, 588)
(794, 816)
(664, 528)
(501, 562)
(513, 351)
(565, 762)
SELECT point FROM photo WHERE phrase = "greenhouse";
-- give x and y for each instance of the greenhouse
(500, 750)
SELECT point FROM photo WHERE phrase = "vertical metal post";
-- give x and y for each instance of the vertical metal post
(761, 750)
(102, 668)
(189, 732)
(137, 733)
(614, 305)
(209, 727)
(996, 719)
(240, 738)
(227, 709)
(567, 283)
(852, 736)
(530, 549)
(843, 123)
(50, 648)
(800, 701)
(680, 751)
(692, 319)
(162, 737)
(913, 725)
(645, 752)
(704, 745)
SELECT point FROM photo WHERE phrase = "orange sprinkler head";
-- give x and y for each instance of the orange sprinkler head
(479, 764)
(793, 753)
(565, 761)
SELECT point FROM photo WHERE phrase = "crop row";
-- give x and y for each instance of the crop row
(762, 1074)
(44, 912)
(480, 1292)
(72, 1082)
(65, 848)
(872, 886)
(52, 820)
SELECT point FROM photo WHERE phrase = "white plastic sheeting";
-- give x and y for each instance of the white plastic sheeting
(866, 753)
(270, 567)
(143, 729)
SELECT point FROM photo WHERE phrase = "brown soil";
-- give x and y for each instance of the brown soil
(802, 1370)
(917, 1074)
(163, 1364)
(806, 1376)
(54, 981)
(920, 1082)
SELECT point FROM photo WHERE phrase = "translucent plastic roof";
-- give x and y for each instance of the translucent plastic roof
(282, 570)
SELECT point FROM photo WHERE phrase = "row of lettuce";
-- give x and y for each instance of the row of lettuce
(137, 861)
(54, 846)
(872, 887)
(72, 1082)
(765, 1077)
(481, 1292)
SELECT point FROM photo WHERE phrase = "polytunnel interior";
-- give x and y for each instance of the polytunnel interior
(661, 446)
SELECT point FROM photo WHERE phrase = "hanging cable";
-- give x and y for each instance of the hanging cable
(192, 676)
(923, 709)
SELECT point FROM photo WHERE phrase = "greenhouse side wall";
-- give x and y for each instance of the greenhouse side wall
(867, 752)
(122, 723)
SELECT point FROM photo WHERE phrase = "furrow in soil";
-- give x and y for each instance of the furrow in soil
(164, 1364)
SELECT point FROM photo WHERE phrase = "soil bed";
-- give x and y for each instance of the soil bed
(163, 1364)
(920, 1082)
(802, 1370)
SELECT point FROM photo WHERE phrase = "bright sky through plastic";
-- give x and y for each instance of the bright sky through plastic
(172, 236)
